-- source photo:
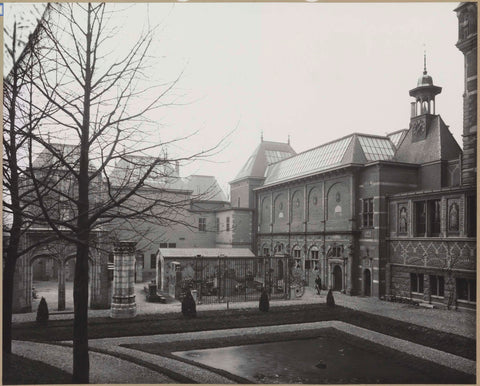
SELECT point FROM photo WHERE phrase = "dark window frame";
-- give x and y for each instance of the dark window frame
(367, 212)
(471, 216)
(202, 224)
(437, 285)
(468, 293)
(227, 226)
(417, 283)
(153, 261)
(428, 218)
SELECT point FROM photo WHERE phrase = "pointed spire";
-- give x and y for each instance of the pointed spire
(424, 60)
(261, 136)
(289, 139)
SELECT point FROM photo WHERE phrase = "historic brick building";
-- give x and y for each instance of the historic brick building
(432, 231)
(377, 215)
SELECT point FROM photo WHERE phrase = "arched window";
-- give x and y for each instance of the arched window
(311, 261)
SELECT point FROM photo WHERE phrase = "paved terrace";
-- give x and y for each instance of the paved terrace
(456, 322)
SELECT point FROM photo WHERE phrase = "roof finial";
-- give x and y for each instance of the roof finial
(289, 139)
(261, 136)
(424, 60)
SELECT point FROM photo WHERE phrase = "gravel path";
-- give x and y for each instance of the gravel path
(103, 368)
(457, 322)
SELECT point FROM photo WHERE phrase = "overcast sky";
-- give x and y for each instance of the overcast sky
(313, 71)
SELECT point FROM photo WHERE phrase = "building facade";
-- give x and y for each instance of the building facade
(432, 232)
(380, 216)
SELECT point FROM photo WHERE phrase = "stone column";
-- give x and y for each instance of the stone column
(123, 294)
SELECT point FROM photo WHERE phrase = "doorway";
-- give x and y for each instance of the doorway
(337, 278)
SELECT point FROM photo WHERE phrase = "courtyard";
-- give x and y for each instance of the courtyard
(161, 346)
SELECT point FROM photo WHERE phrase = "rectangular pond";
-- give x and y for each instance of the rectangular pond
(320, 360)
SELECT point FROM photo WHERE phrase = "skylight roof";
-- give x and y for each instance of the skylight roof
(376, 148)
(318, 159)
(275, 155)
(396, 137)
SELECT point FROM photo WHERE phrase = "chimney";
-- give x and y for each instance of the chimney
(413, 107)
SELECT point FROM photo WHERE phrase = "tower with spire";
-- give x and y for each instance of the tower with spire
(423, 109)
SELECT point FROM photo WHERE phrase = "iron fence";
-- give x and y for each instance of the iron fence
(227, 279)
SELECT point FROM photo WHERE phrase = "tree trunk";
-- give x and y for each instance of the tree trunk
(8, 273)
(81, 364)
(80, 291)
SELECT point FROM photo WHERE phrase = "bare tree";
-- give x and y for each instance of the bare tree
(102, 103)
(19, 213)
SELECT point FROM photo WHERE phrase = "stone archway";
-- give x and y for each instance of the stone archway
(40, 272)
(337, 277)
(367, 283)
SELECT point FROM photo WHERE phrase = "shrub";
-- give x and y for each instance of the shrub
(330, 299)
(42, 311)
(264, 303)
(189, 308)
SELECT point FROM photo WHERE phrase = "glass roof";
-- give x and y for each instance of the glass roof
(396, 137)
(376, 148)
(318, 159)
(275, 155)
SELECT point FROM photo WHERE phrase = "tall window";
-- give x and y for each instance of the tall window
(471, 216)
(265, 251)
(434, 218)
(314, 258)
(153, 261)
(217, 224)
(228, 223)
(297, 254)
(368, 212)
(202, 224)
(420, 219)
(416, 282)
(466, 289)
(437, 285)
(427, 218)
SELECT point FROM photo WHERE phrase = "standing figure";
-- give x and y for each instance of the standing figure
(330, 299)
(318, 284)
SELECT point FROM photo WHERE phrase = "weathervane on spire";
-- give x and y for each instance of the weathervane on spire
(424, 60)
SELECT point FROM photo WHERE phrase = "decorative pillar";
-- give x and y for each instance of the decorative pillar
(123, 297)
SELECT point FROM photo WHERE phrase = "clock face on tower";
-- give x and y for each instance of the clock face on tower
(418, 128)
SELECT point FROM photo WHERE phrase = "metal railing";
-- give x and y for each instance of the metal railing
(238, 279)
